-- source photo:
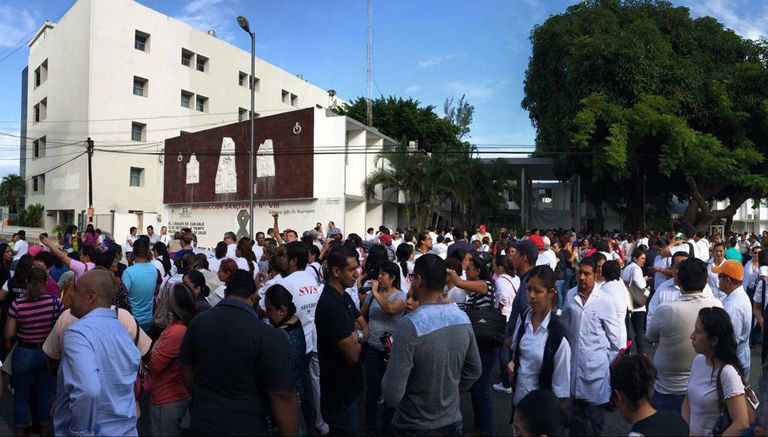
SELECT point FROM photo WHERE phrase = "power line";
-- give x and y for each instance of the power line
(22, 42)
(57, 166)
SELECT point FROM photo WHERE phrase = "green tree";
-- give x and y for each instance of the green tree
(626, 91)
(11, 190)
(460, 114)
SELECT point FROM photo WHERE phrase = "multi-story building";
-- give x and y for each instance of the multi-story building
(128, 77)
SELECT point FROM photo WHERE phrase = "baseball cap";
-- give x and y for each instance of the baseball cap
(385, 239)
(731, 268)
(679, 236)
(482, 228)
(537, 241)
(527, 248)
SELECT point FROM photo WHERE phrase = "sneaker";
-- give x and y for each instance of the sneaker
(501, 389)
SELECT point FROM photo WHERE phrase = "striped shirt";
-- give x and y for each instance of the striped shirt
(484, 301)
(35, 318)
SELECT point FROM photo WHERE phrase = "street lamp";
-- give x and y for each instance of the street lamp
(243, 22)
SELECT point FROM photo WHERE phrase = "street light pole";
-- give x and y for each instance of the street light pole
(243, 22)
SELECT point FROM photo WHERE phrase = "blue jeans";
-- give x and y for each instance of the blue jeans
(452, 430)
(342, 421)
(375, 366)
(31, 366)
(504, 358)
(663, 401)
(559, 286)
(482, 404)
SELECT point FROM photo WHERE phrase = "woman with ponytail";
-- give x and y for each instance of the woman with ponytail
(281, 312)
(404, 255)
(170, 397)
(632, 378)
(195, 281)
(162, 262)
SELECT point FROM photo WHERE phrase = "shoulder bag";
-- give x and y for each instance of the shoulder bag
(639, 295)
(489, 324)
(724, 419)
(142, 387)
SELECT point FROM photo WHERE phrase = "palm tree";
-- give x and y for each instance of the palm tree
(11, 190)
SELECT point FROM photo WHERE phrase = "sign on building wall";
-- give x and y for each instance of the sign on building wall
(212, 165)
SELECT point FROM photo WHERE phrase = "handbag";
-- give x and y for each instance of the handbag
(724, 419)
(488, 324)
(142, 387)
(639, 295)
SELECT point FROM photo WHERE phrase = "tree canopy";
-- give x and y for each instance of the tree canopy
(11, 190)
(622, 91)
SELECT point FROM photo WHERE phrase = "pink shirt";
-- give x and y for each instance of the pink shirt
(80, 268)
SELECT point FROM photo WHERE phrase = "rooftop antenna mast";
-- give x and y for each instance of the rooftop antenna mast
(369, 83)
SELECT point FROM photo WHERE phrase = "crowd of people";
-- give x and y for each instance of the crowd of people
(342, 334)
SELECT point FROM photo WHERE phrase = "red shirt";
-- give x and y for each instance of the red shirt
(167, 383)
(52, 288)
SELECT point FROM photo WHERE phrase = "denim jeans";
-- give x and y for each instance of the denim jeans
(482, 404)
(342, 421)
(637, 320)
(166, 418)
(375, 366)
(560, 286)
(666, 402)
(504, 358)
(452, 430)
(31, 366)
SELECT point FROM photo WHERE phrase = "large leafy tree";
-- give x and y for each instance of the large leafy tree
(623, 92)
(11, 190)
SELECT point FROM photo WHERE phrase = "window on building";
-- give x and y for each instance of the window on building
(256, 83)
(202, 63)
(38, 184)
(186, 99)
(140, 86)
(286, 97)
(242, 79)
(138, 131)
(137, 177)
(39, 147)
(141, 41)
(41, 110)
(201, 103)
(242, 114)
(294, 100)
(41, 73)
(186, 57)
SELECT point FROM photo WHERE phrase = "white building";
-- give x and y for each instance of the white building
(129, 77)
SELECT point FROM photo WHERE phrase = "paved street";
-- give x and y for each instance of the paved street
(614, 424)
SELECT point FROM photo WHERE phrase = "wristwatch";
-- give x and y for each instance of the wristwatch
(360, 337)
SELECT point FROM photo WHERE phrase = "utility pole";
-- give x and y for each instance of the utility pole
(89, 149)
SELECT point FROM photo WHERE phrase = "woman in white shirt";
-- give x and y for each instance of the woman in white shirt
(531, 367)
(714, 340)
(632, 275)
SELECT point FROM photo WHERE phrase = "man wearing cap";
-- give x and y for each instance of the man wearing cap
(386, 241)
(482, 234)
(546, 256)
(685, 242)
(523, 260)
(737, 304)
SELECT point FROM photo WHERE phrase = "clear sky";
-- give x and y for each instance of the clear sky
(426, 49)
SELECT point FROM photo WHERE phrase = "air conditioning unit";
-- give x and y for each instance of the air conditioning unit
(750, 216)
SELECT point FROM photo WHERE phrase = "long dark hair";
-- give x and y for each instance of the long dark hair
(182, 303)
(717, 323)
(279, 296)
(391, 269)
(198, 280)
(246, 251)
(403, 253)
(23, 267)
(3, 248)
(377, 256)
(162, 251)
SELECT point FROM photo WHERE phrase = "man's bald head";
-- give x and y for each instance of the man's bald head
(95, 289)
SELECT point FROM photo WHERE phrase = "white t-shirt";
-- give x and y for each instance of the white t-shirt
(306, 293)
(506, 290)
(165, 239)
(457, 296)
(440, 249)
(22, 247)
(242, 264)
(547, 258)
(702, 394)
(129, 240)
(660, 262)
(214, 264)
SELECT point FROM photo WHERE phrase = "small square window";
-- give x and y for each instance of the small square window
(242, 79)
(139, 86)
(294, 100)
(39, 147)
(286, 97)
(138, 131)
(201, 103)
(256, 83)
(137, 177)
(38, 184)
(202, 63)
(186, 99)
(141, 41)
(41, 110)
(242, 114)
(186, 57)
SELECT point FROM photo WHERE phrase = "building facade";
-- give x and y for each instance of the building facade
(310, 165)
(128, 77)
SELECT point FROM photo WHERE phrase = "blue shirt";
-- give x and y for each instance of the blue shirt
(140, 280)
(99, 363)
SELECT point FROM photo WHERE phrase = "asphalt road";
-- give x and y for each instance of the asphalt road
(614, 423)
